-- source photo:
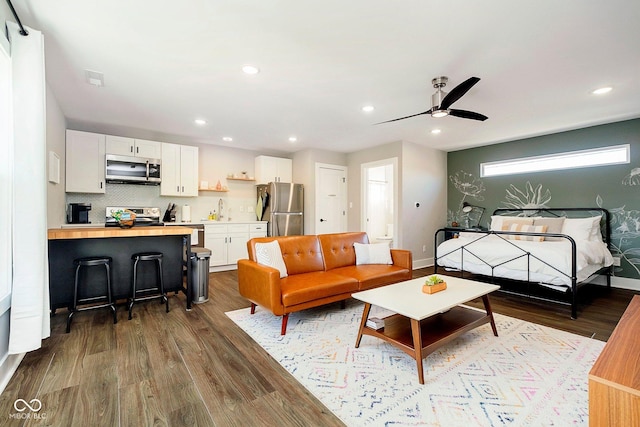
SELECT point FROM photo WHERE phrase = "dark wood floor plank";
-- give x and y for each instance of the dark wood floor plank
(198, 368)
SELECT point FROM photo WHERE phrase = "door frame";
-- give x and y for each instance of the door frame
(364, 190)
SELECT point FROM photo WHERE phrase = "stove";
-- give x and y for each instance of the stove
(144, 216)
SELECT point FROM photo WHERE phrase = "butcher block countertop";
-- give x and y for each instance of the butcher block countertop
(108, 232)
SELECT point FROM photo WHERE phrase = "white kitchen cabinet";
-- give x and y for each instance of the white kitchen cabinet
(227, 242)
(85, 168)
(258, 230)
(273, 169)
(179, 170)
(124, 146)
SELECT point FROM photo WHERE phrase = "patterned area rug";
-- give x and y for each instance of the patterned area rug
(529, 375)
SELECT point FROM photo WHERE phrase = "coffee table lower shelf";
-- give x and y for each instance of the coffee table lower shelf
(420, 338)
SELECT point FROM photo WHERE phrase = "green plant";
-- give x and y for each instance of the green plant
(433, 280)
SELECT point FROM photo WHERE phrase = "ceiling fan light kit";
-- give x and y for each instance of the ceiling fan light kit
(441, 101)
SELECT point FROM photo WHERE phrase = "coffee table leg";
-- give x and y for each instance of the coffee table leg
(487, 307)
(416, 331)
(363, 322)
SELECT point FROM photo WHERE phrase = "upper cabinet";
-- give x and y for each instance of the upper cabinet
(124, 146)
(179, 170)
(85, 166)
(273, 169)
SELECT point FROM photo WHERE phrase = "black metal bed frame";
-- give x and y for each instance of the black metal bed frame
(551, 212)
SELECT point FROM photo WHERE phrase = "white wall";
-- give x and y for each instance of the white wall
(56, 196)
(422, 179)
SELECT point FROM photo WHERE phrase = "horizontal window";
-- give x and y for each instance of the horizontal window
(615, 155)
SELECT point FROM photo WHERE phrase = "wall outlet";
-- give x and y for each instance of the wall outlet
(616, 261)
(249, 208)
(241, 209)
(424, 248)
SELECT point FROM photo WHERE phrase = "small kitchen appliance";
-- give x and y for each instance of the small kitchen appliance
(78, 213)
(144, 216)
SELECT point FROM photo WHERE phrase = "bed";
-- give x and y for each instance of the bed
(560, 249)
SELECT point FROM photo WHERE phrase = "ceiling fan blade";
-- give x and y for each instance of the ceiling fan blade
(402, 118)
(467, 115)
(457, 92)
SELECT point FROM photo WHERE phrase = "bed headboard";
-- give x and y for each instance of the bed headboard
(605, 222)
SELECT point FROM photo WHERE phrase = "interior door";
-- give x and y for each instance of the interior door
(331, 199)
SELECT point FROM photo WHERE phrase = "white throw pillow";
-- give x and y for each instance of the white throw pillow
(582, 228)
(373, 253)
(269, 254)
(554, 226)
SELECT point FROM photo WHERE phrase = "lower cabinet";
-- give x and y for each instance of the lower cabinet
(228, 242)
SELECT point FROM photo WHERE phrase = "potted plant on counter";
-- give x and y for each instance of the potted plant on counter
(433, 284)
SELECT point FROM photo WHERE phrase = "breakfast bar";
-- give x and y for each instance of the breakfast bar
(67, 244)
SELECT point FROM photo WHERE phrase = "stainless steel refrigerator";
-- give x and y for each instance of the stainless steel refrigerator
(282, 204)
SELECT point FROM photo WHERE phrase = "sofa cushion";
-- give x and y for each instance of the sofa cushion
(374, 275)
(301, 254)
(373, 253)
(337, 248)
(269, 254)
(301, 288)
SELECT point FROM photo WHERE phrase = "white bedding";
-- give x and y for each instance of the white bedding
(495, 250)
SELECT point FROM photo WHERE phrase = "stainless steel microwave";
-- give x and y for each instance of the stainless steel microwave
(133, 170)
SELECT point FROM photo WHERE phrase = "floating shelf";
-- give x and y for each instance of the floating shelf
(213, 190)
(239, 179)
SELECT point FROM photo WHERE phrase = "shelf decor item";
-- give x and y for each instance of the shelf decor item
(124, 218)
(434, 284)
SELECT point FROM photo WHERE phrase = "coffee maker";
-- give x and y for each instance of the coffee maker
(78, 213)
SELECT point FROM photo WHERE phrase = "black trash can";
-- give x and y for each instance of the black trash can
(200, 274)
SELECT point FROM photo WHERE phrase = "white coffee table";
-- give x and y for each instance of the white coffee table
(424, 322)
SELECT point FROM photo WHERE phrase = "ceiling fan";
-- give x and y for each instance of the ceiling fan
(441, 101)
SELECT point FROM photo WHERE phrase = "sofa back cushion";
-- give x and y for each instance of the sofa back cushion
(337, 248)
(301, 254)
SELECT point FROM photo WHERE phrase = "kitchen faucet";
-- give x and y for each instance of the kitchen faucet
(220, 207)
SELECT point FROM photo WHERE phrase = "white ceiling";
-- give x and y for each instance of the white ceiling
(166, 63)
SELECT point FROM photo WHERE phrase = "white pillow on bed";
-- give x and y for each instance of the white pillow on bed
(583, 228)
(373, 253)
(554, 226)
(269, 254)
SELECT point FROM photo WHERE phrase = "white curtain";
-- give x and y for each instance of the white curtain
(29, 322)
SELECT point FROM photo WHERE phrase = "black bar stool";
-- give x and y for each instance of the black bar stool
(108, 296)
(159, 288)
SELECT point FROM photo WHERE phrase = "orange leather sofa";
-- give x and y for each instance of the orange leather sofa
(321, 269)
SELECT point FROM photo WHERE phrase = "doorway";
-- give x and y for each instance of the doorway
(379, 205)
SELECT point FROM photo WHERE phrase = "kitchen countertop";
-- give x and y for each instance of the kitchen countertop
(108, 232)
(208, 222)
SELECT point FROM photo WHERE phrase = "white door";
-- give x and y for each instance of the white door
(331, 199)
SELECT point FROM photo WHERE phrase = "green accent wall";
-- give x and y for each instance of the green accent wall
(616, 188)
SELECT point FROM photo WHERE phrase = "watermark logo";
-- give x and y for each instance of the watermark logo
(34, 406)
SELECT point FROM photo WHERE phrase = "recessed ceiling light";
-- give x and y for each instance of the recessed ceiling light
(435, 131)
(250, 69)
(292, 139)
(200, 122)
(227, 139)
(602, 90)
(368, 108)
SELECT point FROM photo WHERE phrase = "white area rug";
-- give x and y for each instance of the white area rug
(529, 375)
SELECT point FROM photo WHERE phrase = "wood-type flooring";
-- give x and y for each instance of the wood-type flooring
(198, 368)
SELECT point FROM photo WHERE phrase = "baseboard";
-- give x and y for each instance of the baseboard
(8, 368)
(422, 263)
